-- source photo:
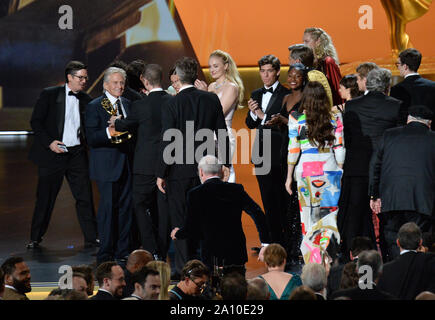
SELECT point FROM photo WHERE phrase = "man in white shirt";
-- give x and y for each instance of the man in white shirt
(111, 281)
(146, 285)
(59, 151)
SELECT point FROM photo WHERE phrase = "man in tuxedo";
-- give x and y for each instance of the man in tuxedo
(59, 151)
(266, 152)
(128, 93)
(189, 112)
(404, 178)
(110, 168)
(136, 261)
(146, 284)
(367, 288)
(219, 228)
(365, 120)
(314, 276)
(150, 205)
(412, 272)
(413, 90)
(361, 74)
(111, 282)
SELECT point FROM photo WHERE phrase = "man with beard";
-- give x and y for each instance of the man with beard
(17, 279)
(111, 282)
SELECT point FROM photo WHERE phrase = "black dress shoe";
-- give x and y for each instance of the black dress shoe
(33, 245)
(93, 244)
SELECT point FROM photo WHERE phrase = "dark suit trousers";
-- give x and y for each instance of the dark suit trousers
(389, 225)
(114, 217)
(74, 166)
(177, 191)
(148, 203)
(272, 190)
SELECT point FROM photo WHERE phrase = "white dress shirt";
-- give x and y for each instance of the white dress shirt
(411, 74)
(71, 126)
(112, 100)
(156, 89)
(264, 102)
(185, 87)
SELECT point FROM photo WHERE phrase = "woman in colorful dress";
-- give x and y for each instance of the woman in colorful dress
(316, 140)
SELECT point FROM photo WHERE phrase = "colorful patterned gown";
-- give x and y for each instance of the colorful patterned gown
(319, 182)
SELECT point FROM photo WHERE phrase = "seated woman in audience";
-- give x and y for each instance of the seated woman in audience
(164, 271)
(280, 283)
(326, 58)
(316, 146)
(348, 90)
(228, 87)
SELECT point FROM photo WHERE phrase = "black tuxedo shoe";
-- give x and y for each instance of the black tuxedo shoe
(93, 244)
(33, 244)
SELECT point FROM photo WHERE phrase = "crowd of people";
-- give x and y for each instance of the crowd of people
(339, 152)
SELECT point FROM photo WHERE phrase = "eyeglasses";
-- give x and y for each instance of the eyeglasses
(200, 287)
(81, 77)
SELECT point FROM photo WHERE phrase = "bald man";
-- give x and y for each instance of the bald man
(136, 261)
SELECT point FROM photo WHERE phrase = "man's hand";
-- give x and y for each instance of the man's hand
(173, 232)
(277, 119)
(161, 184)
(55, 148)
(112, 131)
(253, 105)
(112, 120)
(376, 205)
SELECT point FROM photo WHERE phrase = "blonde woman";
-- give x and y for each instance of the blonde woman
(326, 58)
(164, 271)
(229, 88)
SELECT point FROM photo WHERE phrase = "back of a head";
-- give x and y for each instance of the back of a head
(409, 236)
(364, 68)
(425, 295)
(379, 80)
(66, 294)
(429, 241)
(350, 82)
(134, 70)
(303, 293)
(314, 276)
(186, 69)
(303, 53)
(257, 289)
(234, 287)
(349, 277)
(274, 255)
(412, 58)
(360, 244)
(104, 270)
(210, 165)
(325, 45)
(371, 259)
(154, 74)
(138, 259)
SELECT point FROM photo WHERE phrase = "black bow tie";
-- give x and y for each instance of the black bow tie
(73, 94)
(264, 90)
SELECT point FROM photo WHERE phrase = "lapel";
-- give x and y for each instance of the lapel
(126, 105)
(60, 108)
(273, 98)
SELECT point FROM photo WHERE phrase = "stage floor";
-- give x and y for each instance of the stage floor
(63, 242)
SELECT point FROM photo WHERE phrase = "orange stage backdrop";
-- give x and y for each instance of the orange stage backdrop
(249, 29)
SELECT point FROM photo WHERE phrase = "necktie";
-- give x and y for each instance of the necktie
(73, 94)
(118, 107)
(264, 90)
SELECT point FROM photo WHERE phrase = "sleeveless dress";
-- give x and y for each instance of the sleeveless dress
(229, 121)
(318, 180)
(293, 283)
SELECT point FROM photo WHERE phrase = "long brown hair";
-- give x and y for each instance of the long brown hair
(317, 109)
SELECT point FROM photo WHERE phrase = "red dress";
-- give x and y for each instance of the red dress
(333, 74)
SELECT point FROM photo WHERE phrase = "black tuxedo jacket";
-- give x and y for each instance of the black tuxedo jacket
(365, 120)
(106, 159)
(363, 294)
(273, 107)
(409, 275)
(146, 119)
(102, 295)
(202, 110)
(414, 90)
(404, 169)
(47, 122)
(214, 216)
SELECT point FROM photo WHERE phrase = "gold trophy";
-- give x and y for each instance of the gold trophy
(118, 137)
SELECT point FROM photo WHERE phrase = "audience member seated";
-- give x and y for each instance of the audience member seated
(367, 288)
(111, 282)
(146, 283)
(2, 284)
(425, 295)
(349, 277)
(412, 272)
(66, 294)
(79, 282)
(428, 245)
(303, 293)
(136, 261)
(16, 278)
(234, 287)
(314, 276)
(280, 283)
(358, 245)
(257, 289)
(195, 276)
(164, 271)
(89, 277)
